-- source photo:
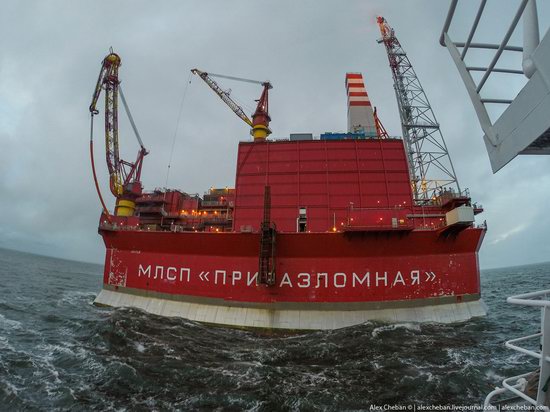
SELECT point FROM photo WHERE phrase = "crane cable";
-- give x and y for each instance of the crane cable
(177, 127)
(105, 210)
(127, 109)
(239, 79)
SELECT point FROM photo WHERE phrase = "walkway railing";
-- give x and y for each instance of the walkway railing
(517, 385)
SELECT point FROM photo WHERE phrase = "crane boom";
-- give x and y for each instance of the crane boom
(260, 118)
(223, 95)
(430, 165)
(108, 80)
(124, 177)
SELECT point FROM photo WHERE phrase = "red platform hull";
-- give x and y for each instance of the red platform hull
(312, 269)
(365, 251)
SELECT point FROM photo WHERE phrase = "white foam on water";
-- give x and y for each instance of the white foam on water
(256, 407)
(463, 359)
(493, 376)
(74, 296)
(245, 377)
(51, 349)
(151, 402)
(166, 348)
(429, 376)
(236, 403)
(43, 359)
(409, 326)
(113, 360)
(140, 347)
(93, 365)
(255, 364)
(314, 379)
(7, 323)
(4, 344)
(71, 391)
(9, 388)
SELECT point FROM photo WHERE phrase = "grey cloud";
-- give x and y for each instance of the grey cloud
(51, 56)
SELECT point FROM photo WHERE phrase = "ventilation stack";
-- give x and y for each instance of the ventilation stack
(360, 114)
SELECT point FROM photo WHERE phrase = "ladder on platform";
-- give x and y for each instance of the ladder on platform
(266, 270)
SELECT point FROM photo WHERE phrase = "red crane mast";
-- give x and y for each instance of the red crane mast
(124, 176)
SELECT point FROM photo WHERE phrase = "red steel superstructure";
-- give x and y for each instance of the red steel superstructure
(349, 244)
(317, 233)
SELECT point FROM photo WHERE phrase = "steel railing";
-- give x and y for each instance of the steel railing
(517, 384)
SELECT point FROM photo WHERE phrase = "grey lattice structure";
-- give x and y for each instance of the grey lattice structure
(430, 165)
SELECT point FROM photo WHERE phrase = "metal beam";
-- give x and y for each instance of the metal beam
(496, 70)
(502, 101)
(481, 112)
(474, 28)
(503, 44)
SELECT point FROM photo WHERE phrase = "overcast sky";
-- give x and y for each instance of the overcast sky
(50, 56)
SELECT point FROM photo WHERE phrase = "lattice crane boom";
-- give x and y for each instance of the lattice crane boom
(224, 95)
(124, 176)
(430, 165)
(260, 118)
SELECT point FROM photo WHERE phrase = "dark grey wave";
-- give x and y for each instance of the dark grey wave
(59, 352)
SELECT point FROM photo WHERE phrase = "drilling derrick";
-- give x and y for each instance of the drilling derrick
(430, 165)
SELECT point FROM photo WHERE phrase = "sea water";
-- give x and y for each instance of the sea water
(60, 352)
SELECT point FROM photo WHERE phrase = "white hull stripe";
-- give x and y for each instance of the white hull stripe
(291, 319)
